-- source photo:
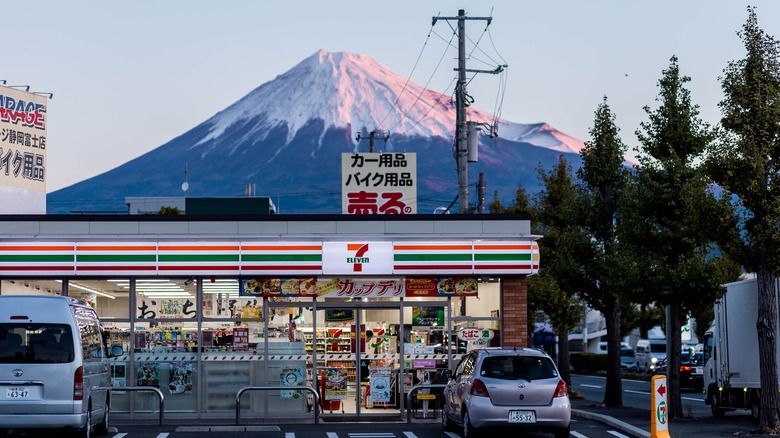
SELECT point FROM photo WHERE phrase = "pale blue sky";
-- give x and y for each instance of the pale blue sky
(129, 76)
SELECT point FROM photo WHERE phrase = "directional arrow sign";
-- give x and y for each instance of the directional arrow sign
(659, 424)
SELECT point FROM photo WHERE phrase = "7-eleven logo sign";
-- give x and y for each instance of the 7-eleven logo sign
(360, 250)
(367, 258)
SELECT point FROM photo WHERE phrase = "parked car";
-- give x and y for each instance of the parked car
(691, 369)
(648, 353)
(54, 369)
(519, 388)
(627, 359)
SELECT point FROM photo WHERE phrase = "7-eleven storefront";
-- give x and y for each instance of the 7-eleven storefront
(360, 308)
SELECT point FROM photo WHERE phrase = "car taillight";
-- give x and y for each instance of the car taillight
(684, 368)
(78, 384)
(479, 389)
(561, 390)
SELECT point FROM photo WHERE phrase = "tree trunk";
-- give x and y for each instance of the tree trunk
(767, 348)
(564, 366)
(613, 393)
(674, 347)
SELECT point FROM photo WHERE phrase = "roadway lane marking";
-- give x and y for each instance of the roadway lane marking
(617, 434)
(289, 435)
(410, 435)
(372, 434)
(637, 392)
(592, 386)
(577, 434)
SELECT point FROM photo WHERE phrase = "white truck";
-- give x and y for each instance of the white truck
(732, 379)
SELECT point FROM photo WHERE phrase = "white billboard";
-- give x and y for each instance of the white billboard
(378, 183)
(22, 152)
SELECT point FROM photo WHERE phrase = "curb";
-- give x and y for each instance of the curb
(228, 429)
(612, 422)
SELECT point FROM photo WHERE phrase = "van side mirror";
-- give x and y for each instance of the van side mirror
(116, 351)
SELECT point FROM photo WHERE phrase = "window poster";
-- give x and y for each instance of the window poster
(336, 383)
(291, 376)
(148, 375)
(181, 378)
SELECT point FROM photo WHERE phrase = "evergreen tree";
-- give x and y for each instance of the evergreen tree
(603, 177)
(665, 215)
(745, 162)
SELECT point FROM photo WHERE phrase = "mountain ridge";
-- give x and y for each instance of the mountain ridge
(286, 137)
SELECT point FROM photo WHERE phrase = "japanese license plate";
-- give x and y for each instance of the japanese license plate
(697, 370)
(522, 417)
(17, 392)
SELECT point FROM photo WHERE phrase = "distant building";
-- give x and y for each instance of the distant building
(202, 206)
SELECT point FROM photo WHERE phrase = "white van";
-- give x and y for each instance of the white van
(649, 352)
(54, 370)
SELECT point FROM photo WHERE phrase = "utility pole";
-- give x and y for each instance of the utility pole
(461, 131)
(371, 137)
(481, 194)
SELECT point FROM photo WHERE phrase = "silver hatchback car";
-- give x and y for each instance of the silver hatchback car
(507, 388)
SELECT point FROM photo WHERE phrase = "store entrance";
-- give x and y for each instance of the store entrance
(360, 370)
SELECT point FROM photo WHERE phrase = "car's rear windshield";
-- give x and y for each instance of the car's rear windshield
(627, 352)
(658, 348)
(518, 367)
(35, 343)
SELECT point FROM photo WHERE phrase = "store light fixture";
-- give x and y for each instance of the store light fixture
(89, 289)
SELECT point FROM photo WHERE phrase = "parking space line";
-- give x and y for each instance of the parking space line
(119, 435)
(332, 435)
(452, 434)
(163, 435)
(410, 435)
(617, 434)
(289, 435)
(576, 434)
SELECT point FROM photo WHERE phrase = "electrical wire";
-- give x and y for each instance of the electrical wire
(397, 97)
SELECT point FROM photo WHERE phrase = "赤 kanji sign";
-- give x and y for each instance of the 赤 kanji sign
(378, 183)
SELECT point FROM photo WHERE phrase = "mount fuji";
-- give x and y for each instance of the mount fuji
(286, 138)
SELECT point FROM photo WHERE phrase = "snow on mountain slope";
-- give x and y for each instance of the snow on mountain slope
(358, 93)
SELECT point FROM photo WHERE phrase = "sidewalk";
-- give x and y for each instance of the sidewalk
(636, 422)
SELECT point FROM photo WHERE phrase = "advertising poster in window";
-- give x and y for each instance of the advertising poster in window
(380, 384)
(147, 374)
(240, 338)
(181, 378)
(428, 316)
(378, 183)
(291, 376)
(336, 383)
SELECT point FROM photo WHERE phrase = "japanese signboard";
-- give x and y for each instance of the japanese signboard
(336, 381)
(378, 183)
(357, 287)
(22, 152)
(380, 384)
(428, 316)
(358, 257)
(240, 338)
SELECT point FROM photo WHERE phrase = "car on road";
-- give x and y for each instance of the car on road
(627, 359)
(506, 387)
(648, 353)
(691, 369)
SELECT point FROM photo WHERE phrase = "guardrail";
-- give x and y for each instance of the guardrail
(413, 390)
(144, 388)
(280, 388)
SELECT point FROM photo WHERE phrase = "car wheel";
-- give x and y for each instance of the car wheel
(468, 430)
(717, 411)
(755, 409)
(563, 433)
(446, 424)
(86, 431)
(101, 429)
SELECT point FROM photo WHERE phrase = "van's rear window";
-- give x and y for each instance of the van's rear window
(35, 343)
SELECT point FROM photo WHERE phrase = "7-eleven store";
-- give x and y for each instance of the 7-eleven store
(359, 307)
